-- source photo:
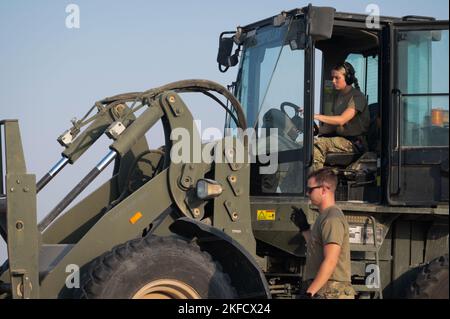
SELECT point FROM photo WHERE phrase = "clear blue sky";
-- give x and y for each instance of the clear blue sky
(49, 74)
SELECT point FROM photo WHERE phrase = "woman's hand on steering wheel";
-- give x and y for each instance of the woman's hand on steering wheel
(297, 119)
(297, 109)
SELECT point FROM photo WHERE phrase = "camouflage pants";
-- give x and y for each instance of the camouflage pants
(325, 145)
(335, 290)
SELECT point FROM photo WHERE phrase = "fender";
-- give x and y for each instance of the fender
(245, 274)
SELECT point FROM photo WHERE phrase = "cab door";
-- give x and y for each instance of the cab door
(419, 122)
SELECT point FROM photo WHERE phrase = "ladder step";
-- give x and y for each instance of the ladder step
(365, 288)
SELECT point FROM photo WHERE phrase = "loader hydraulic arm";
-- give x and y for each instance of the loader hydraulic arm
(114, 112)
(118, 121)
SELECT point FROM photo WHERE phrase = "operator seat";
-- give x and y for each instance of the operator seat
(357, 172)
(343, 160)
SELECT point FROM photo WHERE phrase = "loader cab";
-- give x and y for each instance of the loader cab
(284, 77)
(353, 42)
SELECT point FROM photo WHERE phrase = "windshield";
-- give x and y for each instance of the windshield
(270, 89)
(270, 73)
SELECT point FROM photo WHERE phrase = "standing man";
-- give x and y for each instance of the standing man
(327, 273)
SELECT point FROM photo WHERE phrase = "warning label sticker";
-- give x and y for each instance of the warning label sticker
(265, 214)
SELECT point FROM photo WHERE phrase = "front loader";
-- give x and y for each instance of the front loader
(204, 220)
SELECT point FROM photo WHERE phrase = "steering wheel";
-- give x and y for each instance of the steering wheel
(297, 109)
(297, 119)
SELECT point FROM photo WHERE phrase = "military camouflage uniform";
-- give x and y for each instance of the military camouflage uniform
(358, 126)
(333, 290)
(325, 145)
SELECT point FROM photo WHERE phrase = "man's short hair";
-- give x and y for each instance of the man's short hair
(325, 176)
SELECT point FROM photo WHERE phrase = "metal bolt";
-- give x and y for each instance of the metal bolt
(232, 178)
(234, 215)
(11, 189)
(19, 225)
(120, 108)
(26, 189)
(172, 99)
(18, 181)
(196, 212)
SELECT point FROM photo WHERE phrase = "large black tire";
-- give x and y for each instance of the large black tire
(432, 281)
(127, 268)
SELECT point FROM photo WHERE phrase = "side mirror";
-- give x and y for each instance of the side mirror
(225, 58)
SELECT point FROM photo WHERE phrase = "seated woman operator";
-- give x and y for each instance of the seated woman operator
(345, 130)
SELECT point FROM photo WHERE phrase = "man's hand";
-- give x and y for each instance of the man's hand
(308, 295)
(298, 217)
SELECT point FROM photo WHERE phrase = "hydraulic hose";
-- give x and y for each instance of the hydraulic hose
(194, 85)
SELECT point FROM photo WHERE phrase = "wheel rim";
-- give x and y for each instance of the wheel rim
(166, 289)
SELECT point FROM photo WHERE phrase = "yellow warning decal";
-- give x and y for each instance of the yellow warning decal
(265, 214)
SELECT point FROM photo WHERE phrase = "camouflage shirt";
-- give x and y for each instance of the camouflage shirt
(329, 227)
